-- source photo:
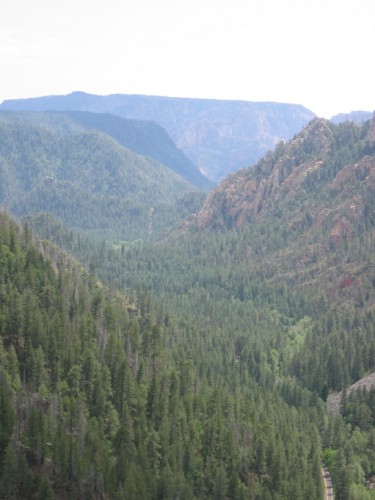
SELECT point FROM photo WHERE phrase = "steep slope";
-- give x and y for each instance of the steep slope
(104, 397)
(143, 137)
(218, 136)
(89, 181)
(315, 194)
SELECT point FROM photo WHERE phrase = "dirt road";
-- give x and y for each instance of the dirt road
(328, 491)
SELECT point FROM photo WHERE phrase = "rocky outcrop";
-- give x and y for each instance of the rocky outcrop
(318, 156)
(250, 194)
(334, 401)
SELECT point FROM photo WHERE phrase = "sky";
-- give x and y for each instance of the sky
(318, 53)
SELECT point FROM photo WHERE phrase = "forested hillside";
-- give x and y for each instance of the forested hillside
(270, 305)
(143, 137)
(219, 136)
(88, 180)
(106, 397)
(314, 197)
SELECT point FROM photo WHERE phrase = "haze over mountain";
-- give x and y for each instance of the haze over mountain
(354, 116)
(143, 137)
(218, 136)
(86, 178)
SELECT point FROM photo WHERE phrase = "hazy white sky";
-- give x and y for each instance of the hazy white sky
(319, 53)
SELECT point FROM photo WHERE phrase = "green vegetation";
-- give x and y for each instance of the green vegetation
(90, 182)
(201, 368)
(145, 138)
(103, 396)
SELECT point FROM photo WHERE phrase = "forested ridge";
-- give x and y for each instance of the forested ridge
(88, 180)
(143, 137)
(199, 366)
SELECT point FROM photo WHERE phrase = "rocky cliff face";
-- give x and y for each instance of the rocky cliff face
(289, 172)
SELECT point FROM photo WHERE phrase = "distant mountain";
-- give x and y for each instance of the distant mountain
(89, 181)
(354, 116)
(219, 136)
(143, 137)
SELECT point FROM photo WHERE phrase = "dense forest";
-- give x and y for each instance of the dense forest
(145, 138)
(102, 396)
(90, 181)
(198, 366)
